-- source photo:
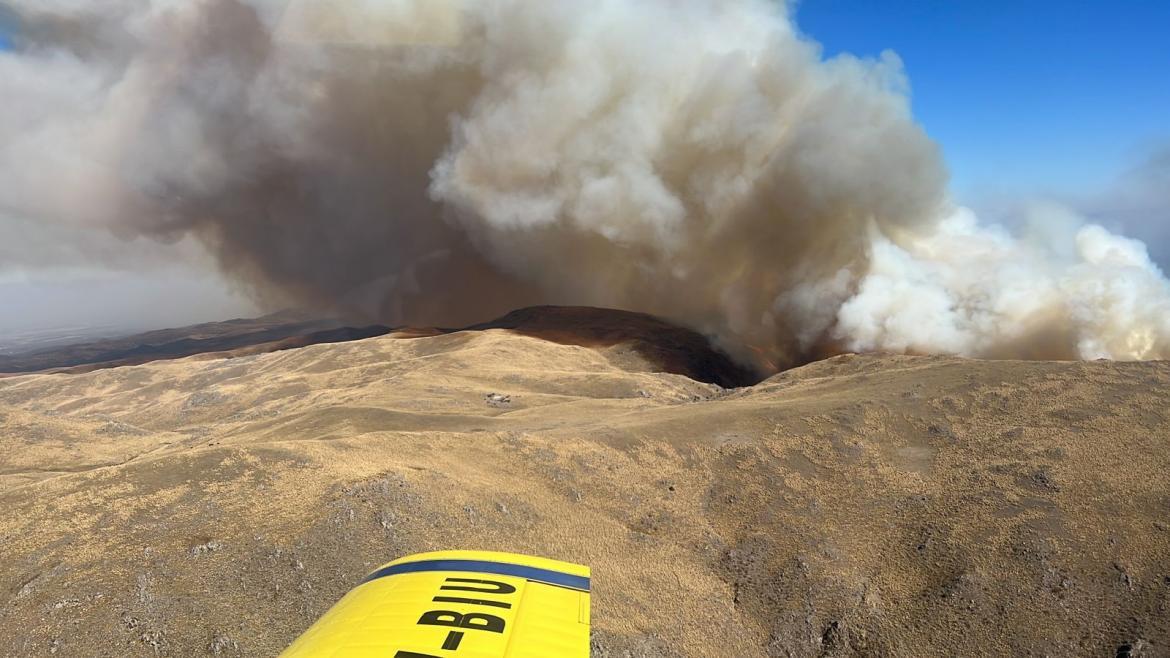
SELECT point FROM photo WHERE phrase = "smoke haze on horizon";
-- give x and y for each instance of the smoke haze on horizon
(445, 161)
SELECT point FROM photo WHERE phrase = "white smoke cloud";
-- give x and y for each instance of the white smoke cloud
(438, 161)
(976, 290)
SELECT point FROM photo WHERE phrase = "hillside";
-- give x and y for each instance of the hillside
(863, 505)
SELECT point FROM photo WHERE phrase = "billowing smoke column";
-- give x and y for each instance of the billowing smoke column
(442, 161)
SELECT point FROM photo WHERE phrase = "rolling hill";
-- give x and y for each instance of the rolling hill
(862, 505)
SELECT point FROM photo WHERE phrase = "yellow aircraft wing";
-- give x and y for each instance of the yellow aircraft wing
(458, 604)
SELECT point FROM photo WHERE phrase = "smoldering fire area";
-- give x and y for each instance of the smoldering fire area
(439, 163)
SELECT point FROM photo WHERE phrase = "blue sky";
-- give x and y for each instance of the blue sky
(6, 29)
(1025, 96)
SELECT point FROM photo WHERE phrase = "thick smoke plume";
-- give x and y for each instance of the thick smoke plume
(441, 161)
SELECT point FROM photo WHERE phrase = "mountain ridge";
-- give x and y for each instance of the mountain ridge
(863, 505)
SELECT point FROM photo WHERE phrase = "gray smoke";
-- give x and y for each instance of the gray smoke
(1138, 203)
(443, 161)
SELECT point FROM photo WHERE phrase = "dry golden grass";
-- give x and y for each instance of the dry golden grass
(865, 505)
